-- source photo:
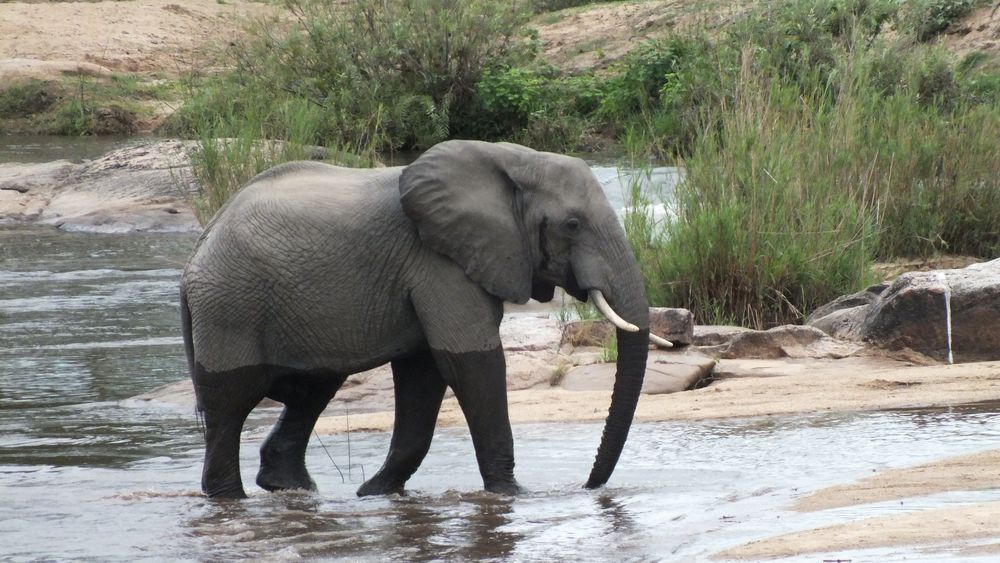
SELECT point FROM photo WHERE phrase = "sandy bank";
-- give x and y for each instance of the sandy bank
(843, 385)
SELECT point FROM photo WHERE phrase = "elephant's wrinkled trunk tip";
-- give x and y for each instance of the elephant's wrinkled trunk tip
(602, 305)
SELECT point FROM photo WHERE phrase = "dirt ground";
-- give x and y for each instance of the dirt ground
(151, 37)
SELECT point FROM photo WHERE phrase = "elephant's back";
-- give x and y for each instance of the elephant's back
(307, 264)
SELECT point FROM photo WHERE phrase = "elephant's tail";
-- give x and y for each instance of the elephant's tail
(189, 352)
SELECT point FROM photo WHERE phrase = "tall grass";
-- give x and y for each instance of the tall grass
(770, 219)
(233, 151)
(818, 146)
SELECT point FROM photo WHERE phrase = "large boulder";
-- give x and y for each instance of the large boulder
(913, 313)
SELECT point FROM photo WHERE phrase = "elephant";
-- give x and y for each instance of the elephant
(314, 272)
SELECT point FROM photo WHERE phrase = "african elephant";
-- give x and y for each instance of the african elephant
(314, 272)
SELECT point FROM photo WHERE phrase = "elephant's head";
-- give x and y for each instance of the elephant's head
(521, 222)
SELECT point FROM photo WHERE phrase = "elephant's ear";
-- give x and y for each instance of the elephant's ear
(465, 198)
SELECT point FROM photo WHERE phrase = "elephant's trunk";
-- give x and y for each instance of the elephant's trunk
(628, 299)
(633, 347)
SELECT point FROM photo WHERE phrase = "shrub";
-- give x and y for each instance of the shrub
(26, 98)
(390, 74)
(927, 18)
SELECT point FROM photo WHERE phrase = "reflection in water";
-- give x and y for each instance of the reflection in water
(615, 513)
(88, 321)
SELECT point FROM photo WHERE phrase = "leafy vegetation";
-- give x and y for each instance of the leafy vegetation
(79, 106)
(819, 153)
(815, 136)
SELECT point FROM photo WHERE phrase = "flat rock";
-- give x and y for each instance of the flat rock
(17, 70)
(788, 341)
(145, 187)
(820, 367)
(666, 372)
(716, 335)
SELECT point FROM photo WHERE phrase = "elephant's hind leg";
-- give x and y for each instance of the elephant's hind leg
(419, 389)
(283, 453)
(225, 400)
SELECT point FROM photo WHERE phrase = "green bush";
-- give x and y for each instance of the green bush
(389, 74)
(927, 18)
(26, 98)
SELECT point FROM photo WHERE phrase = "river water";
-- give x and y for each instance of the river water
(88, 321)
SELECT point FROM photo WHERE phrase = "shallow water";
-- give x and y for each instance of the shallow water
(87, 321)
(45, 148)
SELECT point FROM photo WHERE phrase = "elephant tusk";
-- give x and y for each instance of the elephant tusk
(602, 305)
(661, 342)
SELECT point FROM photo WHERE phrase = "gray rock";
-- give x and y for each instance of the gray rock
(787, 341)
(145, 187)
(675, 325)
(666, 372)
(910, 313)
(716, 335)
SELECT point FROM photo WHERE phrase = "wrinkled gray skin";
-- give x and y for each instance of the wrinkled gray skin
(313, 272)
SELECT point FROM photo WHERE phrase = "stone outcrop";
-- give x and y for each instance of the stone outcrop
(674, 325)
(145, 187)
(912, 313)
(787, 341)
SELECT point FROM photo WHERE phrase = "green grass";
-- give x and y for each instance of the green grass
(232, 153)
(81, 105)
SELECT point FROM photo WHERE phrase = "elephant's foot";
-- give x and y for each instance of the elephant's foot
(230, 493)
(505, 487)
(272, 478)
(379, 485)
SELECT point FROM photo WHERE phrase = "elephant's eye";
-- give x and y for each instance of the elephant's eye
(572, 225)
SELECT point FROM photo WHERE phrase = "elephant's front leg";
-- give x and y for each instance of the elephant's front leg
(461, 323)
(479, 380)
(419, 389)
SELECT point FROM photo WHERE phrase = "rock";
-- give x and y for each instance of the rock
(716, 335)
(739, 367)
(587, 333)
(666, 372)
(17, 70)
(675, 325)
(911, 314)
(788, 341)
(145, 187)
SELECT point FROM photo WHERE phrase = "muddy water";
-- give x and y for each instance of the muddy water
(87, 321)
